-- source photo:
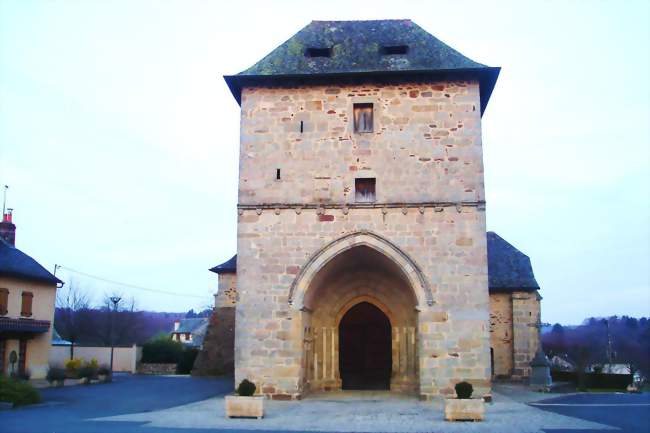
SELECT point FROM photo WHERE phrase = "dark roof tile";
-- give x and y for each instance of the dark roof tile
(15, 263)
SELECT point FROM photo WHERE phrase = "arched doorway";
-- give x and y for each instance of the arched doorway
(365, 357)
(359, 286)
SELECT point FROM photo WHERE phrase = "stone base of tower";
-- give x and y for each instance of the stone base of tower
(218, 353)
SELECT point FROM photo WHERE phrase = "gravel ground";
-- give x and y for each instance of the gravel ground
(368, 412)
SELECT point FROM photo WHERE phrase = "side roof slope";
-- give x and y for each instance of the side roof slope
(508, 268)
(15, 263)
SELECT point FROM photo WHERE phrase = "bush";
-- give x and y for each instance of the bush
(87, 372)
(18, 392)
(93, 364)
(104, 370)
(162, 349)
(464, 390)
(55, 374)
(186, 363)
(246, 388)
(72, 367)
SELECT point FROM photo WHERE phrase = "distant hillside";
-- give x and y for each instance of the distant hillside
(92, 326)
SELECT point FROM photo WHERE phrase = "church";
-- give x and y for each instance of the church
(363, 260)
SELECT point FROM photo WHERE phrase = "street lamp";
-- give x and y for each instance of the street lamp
(114, 300)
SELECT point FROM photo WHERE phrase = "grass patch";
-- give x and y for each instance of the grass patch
(18, 392)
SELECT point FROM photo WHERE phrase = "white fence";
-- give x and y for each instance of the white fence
(124, 358)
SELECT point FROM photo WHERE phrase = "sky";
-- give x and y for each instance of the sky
(119, 138)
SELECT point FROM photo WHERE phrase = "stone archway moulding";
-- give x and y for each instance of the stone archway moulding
(316, 262)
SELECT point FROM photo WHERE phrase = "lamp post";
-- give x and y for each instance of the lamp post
(114, 300)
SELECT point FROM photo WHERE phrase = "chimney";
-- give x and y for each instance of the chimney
(8, 228)
(177, 323)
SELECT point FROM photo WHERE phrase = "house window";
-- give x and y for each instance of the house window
(318, 52)
(4, 301)
(364, 190)
(362, 118)
(26, 307)
(391, 50)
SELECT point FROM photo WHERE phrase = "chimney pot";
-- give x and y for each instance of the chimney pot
(8, 228)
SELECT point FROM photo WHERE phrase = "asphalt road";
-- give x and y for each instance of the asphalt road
(64, 410)
(630, 413)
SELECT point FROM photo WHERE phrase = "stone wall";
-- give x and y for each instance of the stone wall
(526, 317)
(425, 153)
(501, 333)
(156, 368)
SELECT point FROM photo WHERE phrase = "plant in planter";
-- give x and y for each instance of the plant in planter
(104, 374)
(464, 408)
(245, 403)
(55, 376)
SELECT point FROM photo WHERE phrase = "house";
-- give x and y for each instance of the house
(363, 260)
(190, 332)
(27, 298)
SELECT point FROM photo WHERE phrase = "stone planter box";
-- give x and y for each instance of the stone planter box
(467, 409)
(249, 407)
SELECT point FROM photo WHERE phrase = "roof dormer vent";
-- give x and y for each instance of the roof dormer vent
(391, 50)
(318, 52)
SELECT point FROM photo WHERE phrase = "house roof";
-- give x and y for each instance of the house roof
(227, 266)
(192, 325)
(357, 50)
(57, 340)
(508, 268)
(15, 263)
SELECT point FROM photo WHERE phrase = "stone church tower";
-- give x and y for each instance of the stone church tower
(362, 251)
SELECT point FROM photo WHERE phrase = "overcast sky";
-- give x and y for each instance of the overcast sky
(119, 138)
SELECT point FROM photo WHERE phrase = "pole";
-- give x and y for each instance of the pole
(114, 300)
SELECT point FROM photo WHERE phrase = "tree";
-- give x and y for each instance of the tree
(70, 322)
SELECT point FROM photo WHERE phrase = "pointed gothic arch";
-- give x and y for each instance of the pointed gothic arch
(410, 270)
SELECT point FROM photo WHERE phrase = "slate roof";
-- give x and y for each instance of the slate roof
(508, 268)
(57, 340)
(15, 263)
(195, 326)
(191, 325)
(228, 266)
(357, 51)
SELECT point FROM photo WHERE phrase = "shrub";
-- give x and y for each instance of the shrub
(246, 388)
(55, 374)
(87, 372)
(72, 367)
(18, 392)
(162, 349)
(104, 370)
(186, 363)
(464, 390)
(93, 364)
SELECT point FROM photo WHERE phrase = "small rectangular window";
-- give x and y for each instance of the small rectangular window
(277, 174)
(391, 50)
(362, 117)
(318, 52)
(4, 301)
(364, 190)
(26, 307)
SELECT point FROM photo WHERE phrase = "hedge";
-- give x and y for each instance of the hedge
(595, 380)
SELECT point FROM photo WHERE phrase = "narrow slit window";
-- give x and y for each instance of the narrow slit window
(392, 50)
(364, 190)
(363, 118)
(277, 174)
(318, 52)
